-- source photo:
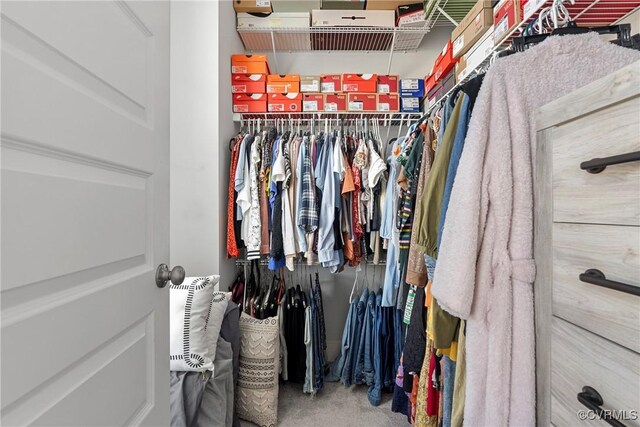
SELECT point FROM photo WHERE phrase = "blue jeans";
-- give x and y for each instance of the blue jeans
(356, 328)
(318, 350)
(365, 376)
(398, 338)
(375, 389)
(447, 391)
(386, 334)
(339, 364)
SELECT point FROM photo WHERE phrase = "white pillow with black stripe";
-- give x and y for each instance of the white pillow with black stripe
(196, 315)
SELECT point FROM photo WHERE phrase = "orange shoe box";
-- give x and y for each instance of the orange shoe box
(248, 83)
(387, 84)
(335, 102)
(250, 103)
(363, 102)
(331, 83)
(388, 102)
(287, 83)
(313, 102)
(249, 64)
(285, 102)
(363, 83)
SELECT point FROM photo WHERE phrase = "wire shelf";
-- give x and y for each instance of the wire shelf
(587, 13)
(386, 119)
(447, 12)
(334, 39)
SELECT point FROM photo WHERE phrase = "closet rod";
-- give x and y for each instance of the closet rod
(264, 261)
(318, 115)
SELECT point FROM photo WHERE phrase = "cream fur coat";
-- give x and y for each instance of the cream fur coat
(485, 267)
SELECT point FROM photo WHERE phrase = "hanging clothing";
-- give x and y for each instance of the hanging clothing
(485, 270)
(416, 269)
(255, 224)
(232, 248)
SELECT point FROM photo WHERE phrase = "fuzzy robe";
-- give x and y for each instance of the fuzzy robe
(485, 267)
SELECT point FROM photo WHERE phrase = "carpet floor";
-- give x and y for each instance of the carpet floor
(334, 406)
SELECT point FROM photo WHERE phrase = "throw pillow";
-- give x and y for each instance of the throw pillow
(257, 399)
(193, 308)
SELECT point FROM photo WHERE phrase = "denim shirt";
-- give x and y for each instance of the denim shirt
(387, 225)
(375, 388)
(330, 205)
(456, 153)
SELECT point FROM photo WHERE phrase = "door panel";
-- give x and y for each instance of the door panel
(84, 184)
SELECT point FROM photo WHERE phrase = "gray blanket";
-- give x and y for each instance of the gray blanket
(200, 399)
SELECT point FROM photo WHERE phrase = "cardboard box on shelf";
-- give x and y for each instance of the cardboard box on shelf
(388, 102)
(249, 64)
(283, 83)
(284, 102)
(362, 102)
(460, 70)
(274, 20)
(353, 18)
(445, 62)
(429, 82)
(250, 103)
(343, 4)
(248, 83)
(410, 14)
(295, 5)
(309, 84)
(476, 55)
(335, 102)
(507, 15)
(331, 83)
(472, 27)
(410, 104)
(444, 85)
(412, 88)
(387, 84)
(252, 6)
(387, 4)
(364, 83)
(312, 102)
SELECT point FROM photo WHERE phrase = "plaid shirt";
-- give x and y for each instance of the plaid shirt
(308, 220)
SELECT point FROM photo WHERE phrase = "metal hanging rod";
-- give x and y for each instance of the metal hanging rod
(264, 262)
(310, 116)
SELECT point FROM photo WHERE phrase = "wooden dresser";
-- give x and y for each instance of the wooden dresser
(587, 251)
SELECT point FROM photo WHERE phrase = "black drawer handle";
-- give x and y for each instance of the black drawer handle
(597, 277)
(598, 165)
(590, 398)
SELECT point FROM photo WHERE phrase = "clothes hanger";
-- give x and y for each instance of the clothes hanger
(400, 127)
(354, 288)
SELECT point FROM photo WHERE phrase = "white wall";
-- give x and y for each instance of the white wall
(228, 43)
(202, 38)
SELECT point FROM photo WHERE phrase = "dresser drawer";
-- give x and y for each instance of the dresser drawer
(611, 196)
(614, 250)
(580, 358)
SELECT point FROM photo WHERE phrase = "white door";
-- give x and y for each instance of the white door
(85, 210)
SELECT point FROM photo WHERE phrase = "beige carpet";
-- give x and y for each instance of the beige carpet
(334, 406)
